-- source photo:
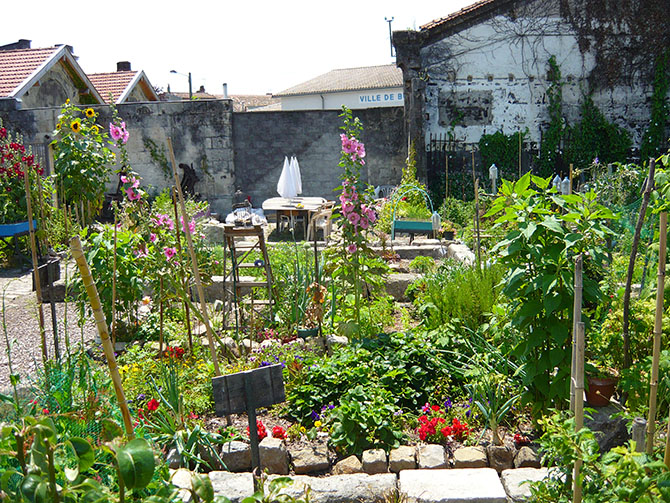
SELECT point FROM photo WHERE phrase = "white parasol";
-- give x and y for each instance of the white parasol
(289, 184)
(295, 170)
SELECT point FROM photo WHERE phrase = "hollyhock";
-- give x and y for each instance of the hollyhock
(352, 248)
(169, 252)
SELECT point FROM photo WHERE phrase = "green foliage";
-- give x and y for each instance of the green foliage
(364, 420)
(422, 264)
(545, 233)
(159, 157)
(503, 151)
(82, 157)
(456, 291)
(655, 135)
(552, 137)
(596, 138)
(620, 475)
(459, 212)
(635, 381)
(405, 365)
(272, 492)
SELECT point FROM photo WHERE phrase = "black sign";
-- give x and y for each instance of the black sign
(251, 389)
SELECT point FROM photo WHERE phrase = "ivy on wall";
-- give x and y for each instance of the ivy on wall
(550, 152)
(503, 151)
(655, 135)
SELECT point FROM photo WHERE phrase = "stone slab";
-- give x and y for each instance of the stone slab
(374, 461)
(310, 459)
(516, 481)
(234, 486)
(470, 457)
(402, 458)
(431, 457)
(467, 485)
(353, 488)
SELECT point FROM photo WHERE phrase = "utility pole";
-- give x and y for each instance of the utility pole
(389, 21)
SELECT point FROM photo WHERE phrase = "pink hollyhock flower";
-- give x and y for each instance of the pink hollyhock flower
(352, 248)
(114, 132)
(354, 218)
(191, 225)
(169, 252)
(124, 179)
(153, 237)
(132, 195)
(347, 208)
(364, 223)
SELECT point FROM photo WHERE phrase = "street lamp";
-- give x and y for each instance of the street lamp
(190, 86)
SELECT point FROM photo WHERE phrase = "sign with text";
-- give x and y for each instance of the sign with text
(251, 389)
(380, 98)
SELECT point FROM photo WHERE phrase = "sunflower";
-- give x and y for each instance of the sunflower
(58, 126)
(89, 113)
(95, 130)
(75, 126)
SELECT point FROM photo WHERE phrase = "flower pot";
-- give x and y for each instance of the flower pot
(600, 390)
(304, 333)
(448, 235)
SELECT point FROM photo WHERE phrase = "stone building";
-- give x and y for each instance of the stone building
(485, 68)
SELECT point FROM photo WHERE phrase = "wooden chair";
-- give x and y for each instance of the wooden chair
(321, 219)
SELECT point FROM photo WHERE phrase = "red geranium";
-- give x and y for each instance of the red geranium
(152, 405)
(278, 432)
(260, 428)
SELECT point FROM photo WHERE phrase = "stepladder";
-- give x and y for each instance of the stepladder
(247, 276)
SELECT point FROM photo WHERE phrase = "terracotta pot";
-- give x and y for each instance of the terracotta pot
(600, 390)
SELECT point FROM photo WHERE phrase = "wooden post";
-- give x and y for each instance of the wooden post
(36, 269)
(114, 282)
(570, 190)
(479, 248)
(576, 318)
(101, 324)
(160, 322)
(637, 433)
(578, 378)
(519, 153)
(194, 262)
(446, 175)
(658, 322)
(184, 282)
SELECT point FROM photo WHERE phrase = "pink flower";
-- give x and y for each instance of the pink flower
(132, 195)
(352, 248)
(364, 223)
(191, 225)
(115, 133)
(153, 237)
(354, 218)
(169, 252)
(347, 208)
(125, 179)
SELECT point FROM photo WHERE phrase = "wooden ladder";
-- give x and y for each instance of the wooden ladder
(239, 291)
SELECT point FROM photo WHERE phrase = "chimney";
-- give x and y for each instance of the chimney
(123, 66)
(225, 91)
(202, 89)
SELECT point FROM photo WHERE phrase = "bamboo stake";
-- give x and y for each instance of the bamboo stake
(660, 284)
(160, 323)
(479, 248)
(194, 262)
(446, 175)
(114, 282)
(576, 318)
(570, 191)
(578, 381)
(520, 153)
(36, 269)
(187, 310)
(101, 324)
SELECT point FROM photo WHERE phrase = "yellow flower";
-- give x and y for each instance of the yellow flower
(302, 429)
(58, 126)
(95, 129)
(89, 112)
(75, 126)
(317, 424)
(67, 101)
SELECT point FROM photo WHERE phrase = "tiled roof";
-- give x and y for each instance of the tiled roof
(17, 65)
(460, 15)
(349, 79)
(245, 102)
(112, 82)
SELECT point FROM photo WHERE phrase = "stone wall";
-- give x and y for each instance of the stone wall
(262, 139)
(201, 133)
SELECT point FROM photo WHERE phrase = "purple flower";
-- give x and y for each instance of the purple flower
(141, 397)
(448, 404)
(265, 363)
(315, 415)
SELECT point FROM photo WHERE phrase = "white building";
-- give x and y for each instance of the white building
(365, 87)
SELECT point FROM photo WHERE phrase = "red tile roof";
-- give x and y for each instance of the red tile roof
(17, 65)
(470, 9)
(112, 82)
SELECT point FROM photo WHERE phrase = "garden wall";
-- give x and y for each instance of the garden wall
(262, 139)
(230, 151)
(201, 133)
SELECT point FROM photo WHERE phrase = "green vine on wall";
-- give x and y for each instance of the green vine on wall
(655, 135)
(158, 156)
(503, 151)
(551, 140)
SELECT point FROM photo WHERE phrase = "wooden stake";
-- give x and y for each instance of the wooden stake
(479, 248)
(519, 153)
(36, 269)
(187, 309)
(446, 175)
(570, 190)
(578, 378)
(160, 323)
(114, 283)
(576, 318)
(194, 262)
(658, 322)
(101, 324)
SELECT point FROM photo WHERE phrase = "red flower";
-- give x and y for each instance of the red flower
(278, 432)
(260, 428)
(435, 408)
(152, 405)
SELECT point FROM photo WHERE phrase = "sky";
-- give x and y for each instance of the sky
(255, 46)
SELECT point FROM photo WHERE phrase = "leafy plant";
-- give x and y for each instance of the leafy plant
(364, 420)
(422, 264)
(545, 232)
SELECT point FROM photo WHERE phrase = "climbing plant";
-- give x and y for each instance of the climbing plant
(503, 151)
(655, 135)
(551, 139)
